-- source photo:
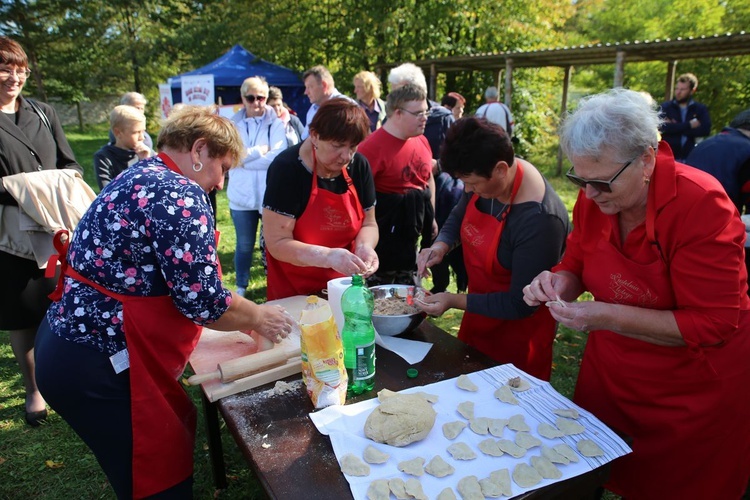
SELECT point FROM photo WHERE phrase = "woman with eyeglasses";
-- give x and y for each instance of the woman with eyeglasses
(511, 225)
(264, 137)
(659, 245)
(31, 140)
(319, 208)
(141, 278)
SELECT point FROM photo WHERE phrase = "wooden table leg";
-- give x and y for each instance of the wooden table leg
(215, 449)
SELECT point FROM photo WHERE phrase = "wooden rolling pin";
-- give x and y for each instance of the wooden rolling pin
(234, 369)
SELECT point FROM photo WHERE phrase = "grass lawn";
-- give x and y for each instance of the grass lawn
(51, 462)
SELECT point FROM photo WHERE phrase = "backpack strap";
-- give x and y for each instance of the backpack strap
(39, 111)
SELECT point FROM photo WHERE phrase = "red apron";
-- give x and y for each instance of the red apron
(160, 340)
(330, 220)
(680, 405)
(527, 342)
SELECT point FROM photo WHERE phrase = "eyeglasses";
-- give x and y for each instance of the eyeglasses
(417, 114)
(600, 185)
(251, 98)
(22, 74)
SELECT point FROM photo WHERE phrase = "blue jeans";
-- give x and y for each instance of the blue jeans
(246, 228)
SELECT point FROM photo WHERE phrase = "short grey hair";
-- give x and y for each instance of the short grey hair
(491, 93)
(133, 99)
(259, 83)
(620, 119)
(399, 97)
(407, 73)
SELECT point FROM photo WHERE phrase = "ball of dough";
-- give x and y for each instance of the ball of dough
(400, 420)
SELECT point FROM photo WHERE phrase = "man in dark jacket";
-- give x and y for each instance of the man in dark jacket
(726, 156)
(685, 119)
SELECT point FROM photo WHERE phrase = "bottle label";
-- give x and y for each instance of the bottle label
(365, 362)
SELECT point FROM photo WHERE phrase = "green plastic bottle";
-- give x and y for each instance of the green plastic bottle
(358, 337)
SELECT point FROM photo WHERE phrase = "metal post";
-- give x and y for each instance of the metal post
(619, 68)
(564, 108)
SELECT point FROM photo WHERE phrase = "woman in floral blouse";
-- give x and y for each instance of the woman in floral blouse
(142, 276)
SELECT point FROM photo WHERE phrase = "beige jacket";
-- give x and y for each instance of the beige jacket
(48, 200)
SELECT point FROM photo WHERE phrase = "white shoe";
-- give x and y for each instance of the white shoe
(241, 291)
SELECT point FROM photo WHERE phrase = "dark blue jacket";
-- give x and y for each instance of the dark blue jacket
(438, 123)
(673, 130)
(726, 156)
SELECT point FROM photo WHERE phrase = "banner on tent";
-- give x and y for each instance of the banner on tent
(198, 90)
(165, 99)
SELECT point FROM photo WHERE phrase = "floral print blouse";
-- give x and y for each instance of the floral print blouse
(150, 232)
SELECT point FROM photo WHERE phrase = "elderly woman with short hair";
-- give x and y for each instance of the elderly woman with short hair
(141, 278)
(264, 137)
(660, 247)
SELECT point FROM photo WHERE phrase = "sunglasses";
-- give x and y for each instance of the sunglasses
(600, 185)
(251, 98)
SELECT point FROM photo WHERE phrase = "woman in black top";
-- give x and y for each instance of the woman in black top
(31, 139)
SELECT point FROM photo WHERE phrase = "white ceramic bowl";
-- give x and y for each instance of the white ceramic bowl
(389, 326)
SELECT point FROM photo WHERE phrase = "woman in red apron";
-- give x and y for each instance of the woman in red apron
(139, 278)
(318, 216)
(660, 247)
(511, 225)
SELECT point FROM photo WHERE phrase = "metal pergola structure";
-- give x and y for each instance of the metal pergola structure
(669, 51)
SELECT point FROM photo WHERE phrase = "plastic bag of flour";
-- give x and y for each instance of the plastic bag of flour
(323, 368)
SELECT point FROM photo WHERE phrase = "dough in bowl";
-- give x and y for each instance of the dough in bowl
(399, 420)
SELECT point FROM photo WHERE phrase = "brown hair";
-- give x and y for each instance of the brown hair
(190, 123)
(474, 146)
(12, 53)
(341, 120)
(688, 78)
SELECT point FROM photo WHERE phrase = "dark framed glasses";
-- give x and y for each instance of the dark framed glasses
(251, 98)
(598, 184)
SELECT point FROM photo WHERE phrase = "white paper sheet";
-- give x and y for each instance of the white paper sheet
(345, 424)
(412, 351)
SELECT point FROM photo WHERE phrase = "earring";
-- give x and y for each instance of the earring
(646, 180)
(197, 166)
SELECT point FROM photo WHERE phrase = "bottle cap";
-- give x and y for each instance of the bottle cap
(412, 373)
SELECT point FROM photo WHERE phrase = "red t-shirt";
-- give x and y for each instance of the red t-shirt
(397, 165)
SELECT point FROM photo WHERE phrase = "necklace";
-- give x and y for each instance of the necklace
(503, 212)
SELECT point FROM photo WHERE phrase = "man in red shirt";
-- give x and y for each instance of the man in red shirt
(401, 162)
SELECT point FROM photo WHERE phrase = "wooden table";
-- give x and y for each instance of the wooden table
(293, 460)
